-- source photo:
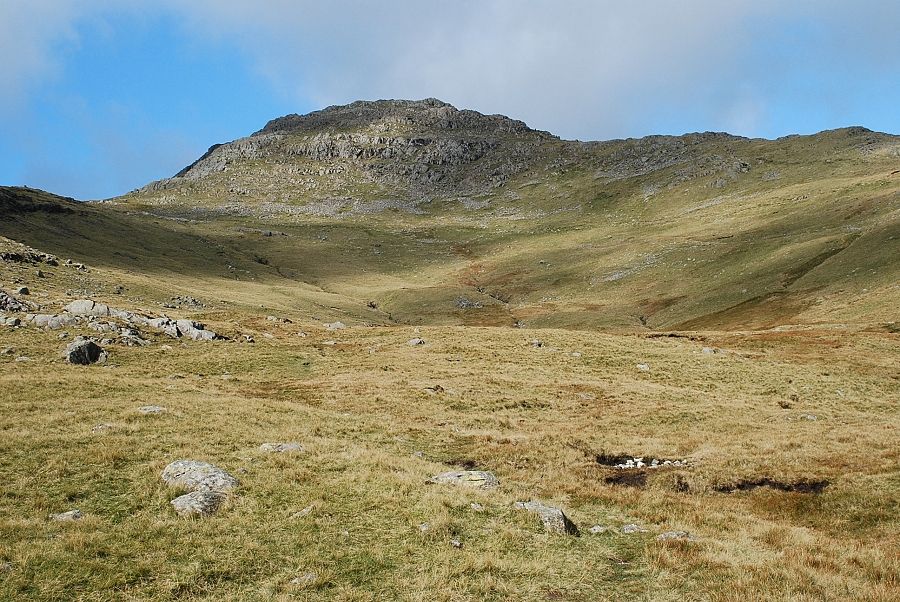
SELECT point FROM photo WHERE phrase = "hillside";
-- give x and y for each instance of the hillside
(440, 216)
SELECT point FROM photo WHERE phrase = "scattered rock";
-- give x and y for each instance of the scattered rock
(632, 528)
(83, 352)
(280, 448)
(416, 341)
(305, 579)
(554, 520)
(465, 303)
(65, 517)
(480, 479)
(151, 410)
(198, 476)
(675, 536)
(10, 303)
(198, 503)
(87, 307)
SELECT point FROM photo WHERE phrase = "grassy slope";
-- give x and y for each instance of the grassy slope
(818, 246)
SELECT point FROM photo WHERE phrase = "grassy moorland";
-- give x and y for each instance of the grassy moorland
(740, 320)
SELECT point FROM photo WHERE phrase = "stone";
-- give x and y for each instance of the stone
(87, 307)
(675, 536)
(198, 503)
(23, 290)
(194, 475)
(83, 352)
(475, 506)
(280, 448)
(51, 321)
(102, 428)
(456, 543)
(305, 579)
(195, 331)
(597, 530)
(151, 410)
(632, 528)
(479, 479)
(23, 358)
(416, 341)
(709, 350)
(536, 343)
(553, 519)
(425, 527)
(8, 351)
(335, 326)
(67, 517)
(643, 367)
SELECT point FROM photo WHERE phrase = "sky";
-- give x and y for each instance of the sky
(98, 97)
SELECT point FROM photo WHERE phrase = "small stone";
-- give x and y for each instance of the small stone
(39, 274)
(480, 479)
(675, 536)
(70, 516)
(536, 343)
(597, 530)
(336, 326)
(8, 351)
(102, 428)
(554, 519)
(456, 543)
(280, 448)
(198, 503)
(305, 579)
(23, 290)
(23, 358)
(576, 354)
(633, 528)
(151, 410)
(476, 507)
(425, 527)
(810, 417)
(419, 454)
(302, 513)
(643, 367)
(709, 350)
(416, 341)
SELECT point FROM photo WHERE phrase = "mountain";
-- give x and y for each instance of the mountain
(442, 216)
(413, 351)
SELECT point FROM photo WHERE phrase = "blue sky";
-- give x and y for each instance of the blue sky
(103, 96)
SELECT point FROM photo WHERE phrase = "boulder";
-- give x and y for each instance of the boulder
(87, 307)
(195, 331)
(51, 321)
(553, 519)
(198, 476)
(480, 479)
(198, 503)
(83, 352)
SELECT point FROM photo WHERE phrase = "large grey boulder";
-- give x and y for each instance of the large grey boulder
(553, 519)
(198, 503)
(195, 331)
(87, 307)
(83, 352)
(194, 475)
(479, 479)
(51, 321)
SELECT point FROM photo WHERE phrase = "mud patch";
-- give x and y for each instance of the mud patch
(798, 486)
(627, 478)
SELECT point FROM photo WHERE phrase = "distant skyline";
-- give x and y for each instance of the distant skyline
(102, 96)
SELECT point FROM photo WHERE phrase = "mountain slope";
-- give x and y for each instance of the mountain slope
(441, 216)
